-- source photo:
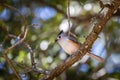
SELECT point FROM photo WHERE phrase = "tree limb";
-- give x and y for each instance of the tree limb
(87, 44)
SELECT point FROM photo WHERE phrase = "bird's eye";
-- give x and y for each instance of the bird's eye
(59, 36)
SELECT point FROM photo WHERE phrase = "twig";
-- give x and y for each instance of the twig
(76, 19)
(25, 34)
(68, 10)
(87, 45)
(12, 66)
(17, 43)
(15, 9)
(7, 50)
(31, 55)
(34, 68)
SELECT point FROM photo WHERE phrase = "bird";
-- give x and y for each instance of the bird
(70, 45)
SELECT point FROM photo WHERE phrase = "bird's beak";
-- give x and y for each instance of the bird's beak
(56, 40)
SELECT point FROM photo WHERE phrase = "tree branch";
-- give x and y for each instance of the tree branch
(12, 66)
(68, 16)
(17, 43)
(8, 49)
(5, 51)
(15, 9)
(33, 64)
(87, 44)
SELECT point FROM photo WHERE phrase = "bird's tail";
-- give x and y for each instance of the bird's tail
(95, 57)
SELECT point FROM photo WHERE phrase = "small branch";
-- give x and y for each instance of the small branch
(17, 43)
(15, 9)
(77, 19)
(44, 2)
(12, 66)
(40, 71)
(31, 55)
(34, 68)
(8, 49)
(68, 10)
(87, 45)
(5, 51)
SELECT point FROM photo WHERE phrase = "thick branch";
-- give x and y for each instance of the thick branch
(87, 45)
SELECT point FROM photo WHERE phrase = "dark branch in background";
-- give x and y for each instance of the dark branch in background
(34, 68)
(33, 64)
(20, 41)
(29, 48)
(8, 49)
(24, 22)
(44, 2)
(5, 51)
(87, 44)
(15, 9)
(77, 19)
(31, 55)
(12, 66)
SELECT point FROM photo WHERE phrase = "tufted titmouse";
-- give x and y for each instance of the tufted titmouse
(70, 45)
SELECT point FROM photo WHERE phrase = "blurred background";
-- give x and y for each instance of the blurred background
(51, 17)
